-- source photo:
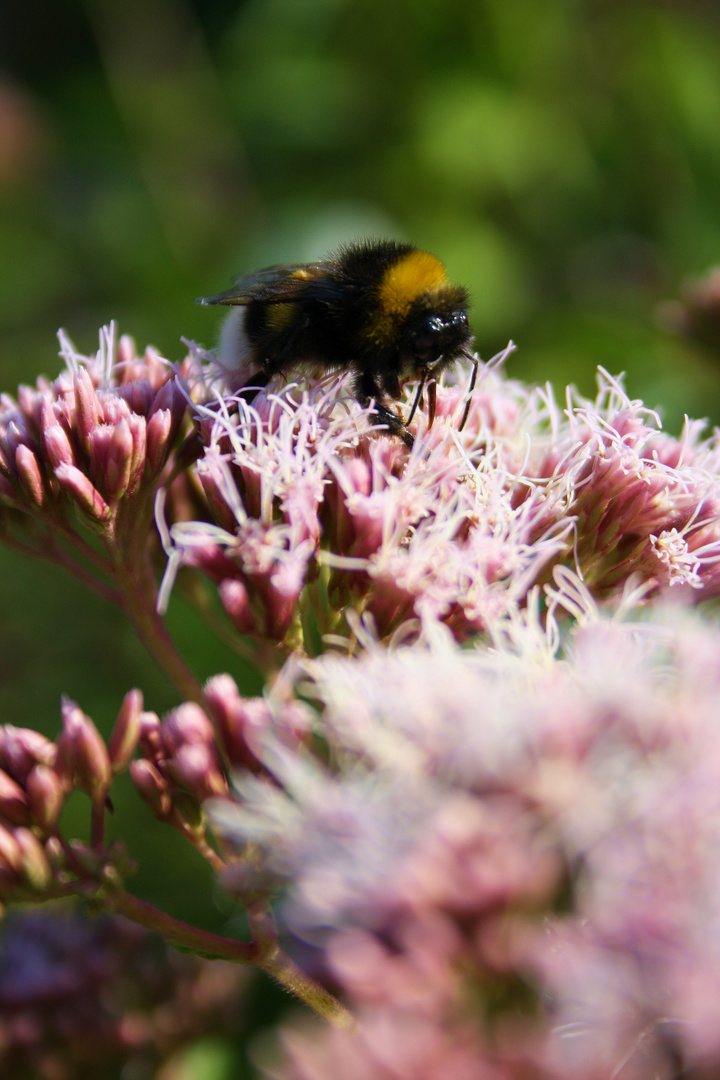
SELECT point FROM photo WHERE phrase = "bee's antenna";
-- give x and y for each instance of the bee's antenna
(473, 379)
(418, 395)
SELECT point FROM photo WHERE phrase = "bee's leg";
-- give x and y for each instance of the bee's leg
(396, 425)
(365, 390)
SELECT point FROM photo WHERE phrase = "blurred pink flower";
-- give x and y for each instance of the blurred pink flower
(511, 851)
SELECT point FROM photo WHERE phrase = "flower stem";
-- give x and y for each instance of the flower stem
(265, 953)
(137, 587)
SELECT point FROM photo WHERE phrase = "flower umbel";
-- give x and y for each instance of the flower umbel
(486, 858)
(316, 514)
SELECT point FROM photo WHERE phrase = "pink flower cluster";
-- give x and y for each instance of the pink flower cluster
(186, 757)
(316, 515)
(36, 777)
(92, 437)
(508, 859)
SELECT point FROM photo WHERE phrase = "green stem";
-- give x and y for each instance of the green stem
(265, 953)
(138, 602)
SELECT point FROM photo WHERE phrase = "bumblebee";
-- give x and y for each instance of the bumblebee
(381, 309)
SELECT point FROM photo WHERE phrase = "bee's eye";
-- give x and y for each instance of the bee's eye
(427, 337)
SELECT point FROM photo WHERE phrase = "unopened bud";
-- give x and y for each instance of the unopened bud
(83, 492)
(118, 467)
(7, 468)
(22, 748)
(237, 718)
(155, 366)
(35, 866)
(55, 853)
(29, 473)
(87, 407)
(196, 766)
(187, 724)
(139, 395)
(152, 742)
(280, 607)
(90, 860)
(158, 440)
(138, 431)
(13, 803)
(126, 732)
(46, 796)
(152, 787)
(221, 512)
(82, 754)
(171, 398)
(234, 598)
(126, 354)
(27, 400)
(57, 446)
(10, 853)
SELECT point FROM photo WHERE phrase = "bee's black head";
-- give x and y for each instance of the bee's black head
(435, 334)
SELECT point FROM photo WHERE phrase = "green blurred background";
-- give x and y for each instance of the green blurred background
(561, 156)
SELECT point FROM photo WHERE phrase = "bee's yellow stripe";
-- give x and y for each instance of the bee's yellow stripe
(414, 275)
(279, 316)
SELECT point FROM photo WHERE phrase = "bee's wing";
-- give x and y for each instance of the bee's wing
(279, 285)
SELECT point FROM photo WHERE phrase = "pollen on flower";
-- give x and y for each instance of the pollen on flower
(681, 565)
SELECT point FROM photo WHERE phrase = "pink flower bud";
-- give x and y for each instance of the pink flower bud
(6, 467)
(158, 439)
(22, 748)
(114, 409)
(49, 415)
(170, 398)
(238, 720)
(10, 853)
(280, 605)
(46, 796)
(35, 866)
(118, 470)
(222, 513)
(152, 742)
(83, 492)
(139, 395)
(138, 431)
(153, 365)
(14, 437)
(29, 473)
(126, 733)
(152, 787)
(126, 354)
(55, 853)
(27, 397)
(88, 413)
(98, 449)
(187, 724)
(234, 598)
(82, 754)
(196, 766)
(57, 446)
(91, 860)
(13, 803)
